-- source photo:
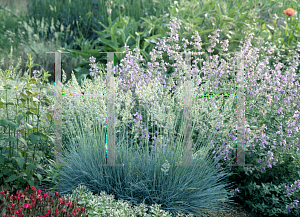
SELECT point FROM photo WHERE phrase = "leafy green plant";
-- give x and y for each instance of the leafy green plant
(17, 166)
(285, 30)
(278, 26)
(265, 192)
(82, 16)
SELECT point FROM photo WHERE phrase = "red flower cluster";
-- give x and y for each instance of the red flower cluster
(37, 205)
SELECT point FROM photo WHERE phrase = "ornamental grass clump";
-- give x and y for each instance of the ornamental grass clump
(33, 203)
(144, 178)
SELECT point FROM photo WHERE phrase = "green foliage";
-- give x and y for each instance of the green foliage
(16, 168)
(262, 191)
(10, 30)
(82, 16)
(15, 172)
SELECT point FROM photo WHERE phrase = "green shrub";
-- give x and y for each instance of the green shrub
(263, 191)
(18, 166)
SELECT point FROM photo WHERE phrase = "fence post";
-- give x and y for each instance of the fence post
(240, 113)
(57, 111)
(110, 111)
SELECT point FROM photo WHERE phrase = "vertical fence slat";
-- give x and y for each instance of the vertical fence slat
(110, 111)
(188, 152)
(240, 113)
(57, 109)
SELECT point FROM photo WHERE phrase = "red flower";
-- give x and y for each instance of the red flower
(290, 12)
(39, 196)
(69, 204)
(25, 205)
(61, 201)
(32, 188)
(74, 212)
